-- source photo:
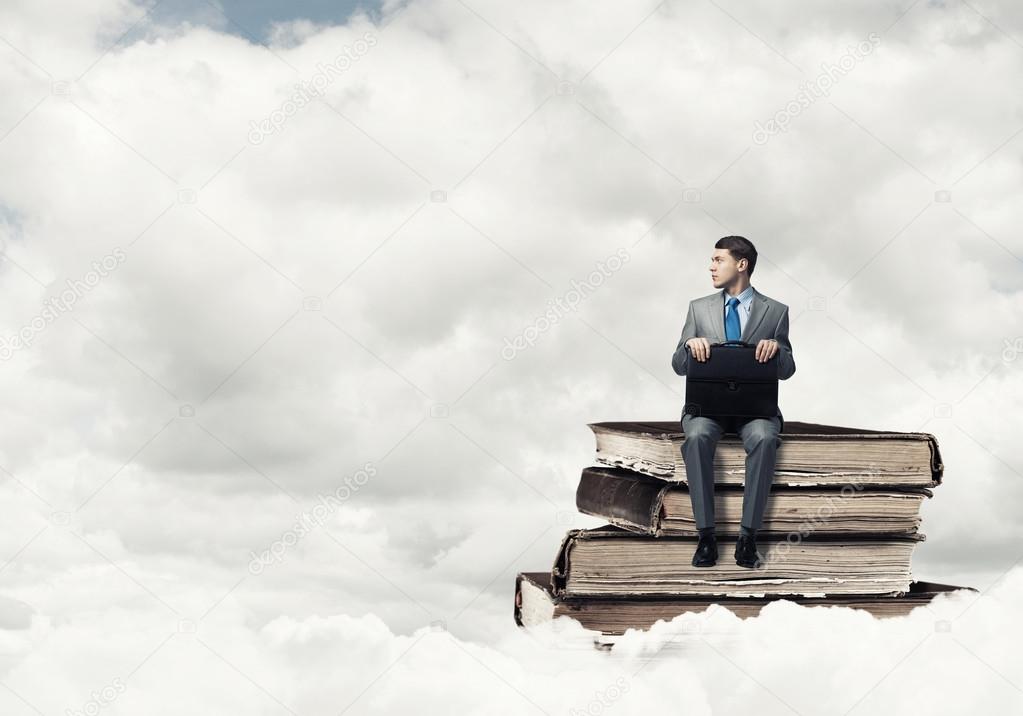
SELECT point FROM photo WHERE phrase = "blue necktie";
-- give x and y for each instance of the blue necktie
(732, 327)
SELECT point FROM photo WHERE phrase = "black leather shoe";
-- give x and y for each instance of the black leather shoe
(746, 554)
(706, 554)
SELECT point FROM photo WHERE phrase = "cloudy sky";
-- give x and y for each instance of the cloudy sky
(268, 442)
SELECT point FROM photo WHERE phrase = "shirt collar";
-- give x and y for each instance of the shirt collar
(745, 298)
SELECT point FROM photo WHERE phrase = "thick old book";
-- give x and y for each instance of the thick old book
(611, 561)
(644, 504)
(809, 454)
(536, 603)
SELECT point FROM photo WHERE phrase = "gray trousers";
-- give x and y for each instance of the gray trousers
(761, 441)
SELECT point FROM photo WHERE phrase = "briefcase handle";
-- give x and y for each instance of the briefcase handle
(736, 344)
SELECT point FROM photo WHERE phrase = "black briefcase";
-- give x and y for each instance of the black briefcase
(732, 383)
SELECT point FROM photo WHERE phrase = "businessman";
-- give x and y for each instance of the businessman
(736, 312)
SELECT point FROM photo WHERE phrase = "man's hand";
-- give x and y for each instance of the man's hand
(699, 348)
(767, 348)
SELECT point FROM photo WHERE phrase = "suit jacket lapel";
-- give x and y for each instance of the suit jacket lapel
(758, 309)
(717, 317)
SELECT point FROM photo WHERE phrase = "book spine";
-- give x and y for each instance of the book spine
(559, 573)
(623, 500)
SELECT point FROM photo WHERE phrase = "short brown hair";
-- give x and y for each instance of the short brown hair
(740, 248)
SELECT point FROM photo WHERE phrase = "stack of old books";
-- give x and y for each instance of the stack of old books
(840, 528)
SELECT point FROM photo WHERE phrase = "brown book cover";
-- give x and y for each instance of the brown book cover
(535, 603)
(809, 454)
(644, 504)
(610, 561)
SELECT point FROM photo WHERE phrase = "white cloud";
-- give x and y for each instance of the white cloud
(947, 657)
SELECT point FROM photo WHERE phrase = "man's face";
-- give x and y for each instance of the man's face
(724, 270)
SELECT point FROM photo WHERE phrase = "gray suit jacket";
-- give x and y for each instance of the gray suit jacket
(768, 319)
